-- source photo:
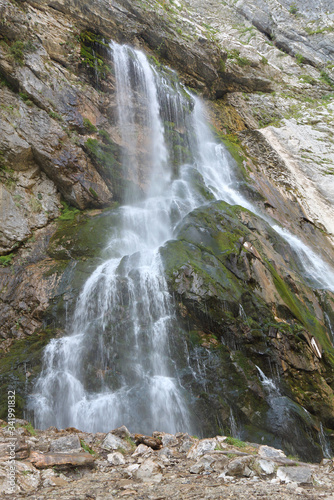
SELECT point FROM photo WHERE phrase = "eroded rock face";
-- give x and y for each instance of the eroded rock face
(294, 33)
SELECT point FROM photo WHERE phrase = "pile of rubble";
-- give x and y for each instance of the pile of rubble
(72, 464)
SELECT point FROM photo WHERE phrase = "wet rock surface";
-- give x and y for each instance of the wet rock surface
(217, 473)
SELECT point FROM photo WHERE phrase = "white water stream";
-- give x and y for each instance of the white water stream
(116, 365)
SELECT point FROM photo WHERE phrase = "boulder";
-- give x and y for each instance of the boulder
(121, 432)
(203, 464)
(265, 467)
(269, 452)
(149, 471)
(116, 458)
(201, 448)
(129, 471)
(66, 444)
(112, 442)
(169, 440)
(299, 475)
(239, 467)
(141, 450)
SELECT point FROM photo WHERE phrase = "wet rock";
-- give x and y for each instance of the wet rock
(44, 461)
(66, 444)
(299, 475)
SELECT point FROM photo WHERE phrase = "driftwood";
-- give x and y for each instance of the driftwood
(44, 461)
(154, 443)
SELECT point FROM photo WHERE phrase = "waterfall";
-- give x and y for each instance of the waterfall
(325, 445)
(116, 364)
(328, 321)
(267, 382)
(315, 268)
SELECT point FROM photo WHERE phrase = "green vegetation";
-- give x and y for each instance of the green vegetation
(102, 154)
(26, 99)
(300, 58)
(30, 429)
(93, 193)
(308, 79)
(298, 309)
(24, 355)
(6, 260)
(105, 157)
(105, 136)
(130, 441)
(4, 82)
(293, 8)
(235, 54)
(86, 447)
(68, 212)
(93, 52)
(18, 48)
(55, 115)
(89, 127)
(235, 442)
(16, 51)
(317, 31)
(36, 205)
(326, 78)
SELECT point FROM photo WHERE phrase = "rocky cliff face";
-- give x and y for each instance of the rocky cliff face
(267, 68)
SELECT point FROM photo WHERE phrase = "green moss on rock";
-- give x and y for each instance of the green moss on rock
(19, 367)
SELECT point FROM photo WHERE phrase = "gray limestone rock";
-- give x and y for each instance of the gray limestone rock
(112, 442)
(299, 475)
(66, 444)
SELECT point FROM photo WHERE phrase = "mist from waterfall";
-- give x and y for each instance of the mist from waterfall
(116, 365)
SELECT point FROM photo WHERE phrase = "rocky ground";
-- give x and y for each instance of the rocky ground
(72, 464)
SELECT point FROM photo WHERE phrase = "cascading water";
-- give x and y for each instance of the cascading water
(116, 365)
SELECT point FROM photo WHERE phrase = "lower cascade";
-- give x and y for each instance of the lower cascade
(120, 360)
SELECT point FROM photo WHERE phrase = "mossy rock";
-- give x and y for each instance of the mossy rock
(106, 156)
(212, 274)
(84, 237)
(19, 367)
